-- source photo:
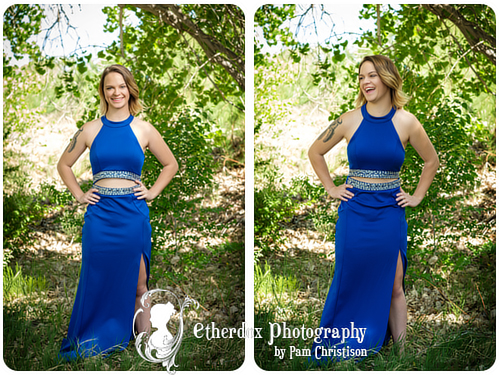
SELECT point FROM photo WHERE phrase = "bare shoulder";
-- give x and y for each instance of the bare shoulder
(339, 128)
(92, 125)
(89, 130)
(407, 120)
(147, 134)
(348, 120)
(351, 121)
(352, 118)
(143, 125)
(83, 137)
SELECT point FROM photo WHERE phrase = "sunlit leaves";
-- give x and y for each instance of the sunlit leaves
(20, 23)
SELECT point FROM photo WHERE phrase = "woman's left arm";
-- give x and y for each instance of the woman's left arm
(159, 148)
(421, 143)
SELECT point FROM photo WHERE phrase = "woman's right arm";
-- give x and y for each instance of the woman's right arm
(74, 150)
(325, 142)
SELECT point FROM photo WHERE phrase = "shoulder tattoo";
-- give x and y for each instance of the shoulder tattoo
(72, 144)
(328, 133)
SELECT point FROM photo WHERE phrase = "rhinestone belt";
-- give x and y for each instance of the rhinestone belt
(101, 190)
(374, 186)
(368, 173)
(116, 174)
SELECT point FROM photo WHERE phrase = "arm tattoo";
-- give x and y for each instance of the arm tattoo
(72, 145)
(330, 130)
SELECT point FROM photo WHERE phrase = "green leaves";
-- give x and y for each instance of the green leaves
(20, 23)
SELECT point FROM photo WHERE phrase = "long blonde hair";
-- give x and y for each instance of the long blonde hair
(390, 77)
(134, 103)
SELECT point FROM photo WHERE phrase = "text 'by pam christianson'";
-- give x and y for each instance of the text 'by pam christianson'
(280, 330)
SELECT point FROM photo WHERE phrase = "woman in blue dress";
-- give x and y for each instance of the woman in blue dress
(116, 235)
(366, 302)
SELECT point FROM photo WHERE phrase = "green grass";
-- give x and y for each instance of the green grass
(280, 289)
(33, 333)
(462, 348)
(15, 283)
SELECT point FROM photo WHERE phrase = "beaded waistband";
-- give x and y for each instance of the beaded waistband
(374, 186)
(368, 173)
(116, 174)
(102, 190)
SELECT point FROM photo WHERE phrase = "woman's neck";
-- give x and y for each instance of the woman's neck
(118, 114)
(379, 108)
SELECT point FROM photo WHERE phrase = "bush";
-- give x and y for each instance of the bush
(25, 208)
(272, 207)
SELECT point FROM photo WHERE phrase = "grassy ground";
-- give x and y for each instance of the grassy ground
(33, 331)
(451, 311)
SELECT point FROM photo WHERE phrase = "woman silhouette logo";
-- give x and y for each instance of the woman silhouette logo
(161, 339)
(161, 346)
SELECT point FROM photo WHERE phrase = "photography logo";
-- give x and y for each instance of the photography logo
(161, 346)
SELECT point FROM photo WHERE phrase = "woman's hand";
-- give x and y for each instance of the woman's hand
(341, 192)
(407, 200)
(142, 192)
(89, 197)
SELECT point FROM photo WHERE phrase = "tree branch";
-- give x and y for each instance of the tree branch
(464, 55)
(202, 66)
(121, 33)
(232, 61)
(471, 31)
(378, 26)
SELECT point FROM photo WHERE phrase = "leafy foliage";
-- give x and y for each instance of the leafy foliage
(270, 19)
(217, 29)
(21, 21)
(272, 208)
(276, 204)
(24, 208)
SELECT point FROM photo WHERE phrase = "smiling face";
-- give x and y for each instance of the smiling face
(116, 91)
(371, 84)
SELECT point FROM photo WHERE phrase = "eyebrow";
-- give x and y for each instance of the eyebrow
(370, 72)
(120, 84)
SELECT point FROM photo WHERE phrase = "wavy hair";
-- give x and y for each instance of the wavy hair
(389, 75)
(134, 103)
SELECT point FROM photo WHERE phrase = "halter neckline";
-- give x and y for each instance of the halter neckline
(116, 124)
(367, 116)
